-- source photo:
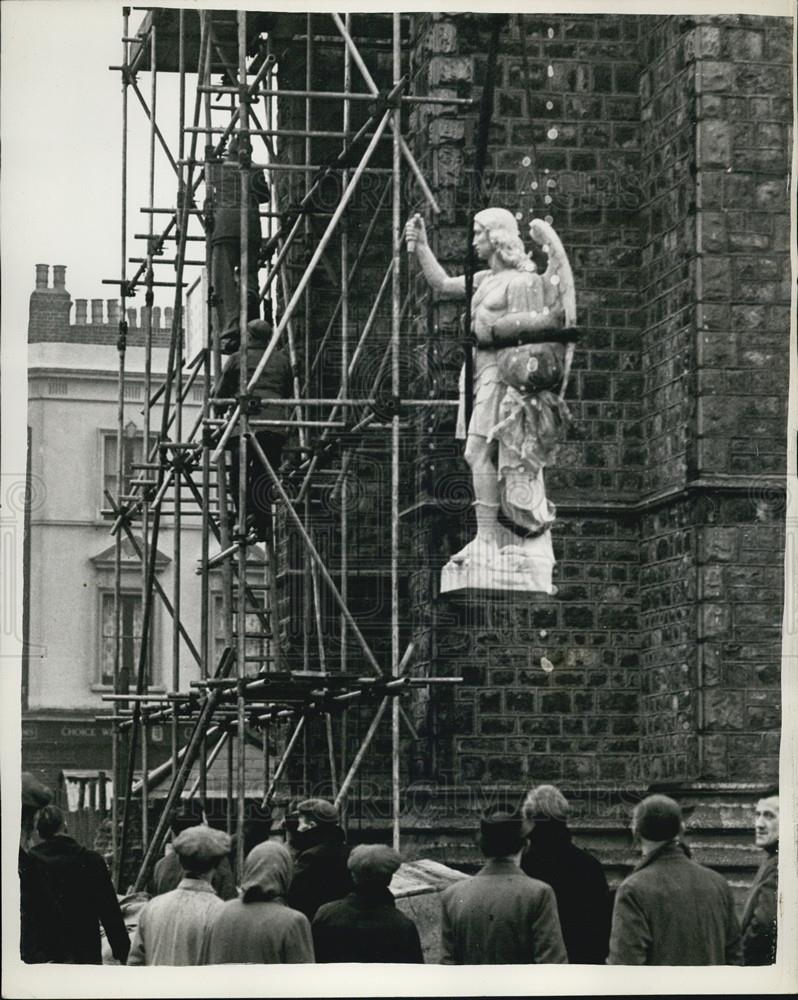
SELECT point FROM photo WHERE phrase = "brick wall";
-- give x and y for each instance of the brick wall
(714, 279)
(51, 308)
(511, 720)
(669, 168)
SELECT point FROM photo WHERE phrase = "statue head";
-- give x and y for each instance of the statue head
(501, 228)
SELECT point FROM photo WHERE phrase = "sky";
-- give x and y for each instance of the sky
(61, 123)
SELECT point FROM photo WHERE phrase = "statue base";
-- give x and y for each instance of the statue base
(525, 565)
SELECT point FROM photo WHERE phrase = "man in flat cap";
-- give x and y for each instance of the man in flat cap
(320, 868)
(168, 871)
(501, 916)
(366, 926)
(671, 910)
(173, 928)
(40, 938)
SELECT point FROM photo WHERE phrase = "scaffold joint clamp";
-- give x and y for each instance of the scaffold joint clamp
(249, 403)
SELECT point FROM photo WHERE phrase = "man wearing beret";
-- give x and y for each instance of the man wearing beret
(671, 910)
(40, 937)
(168, 871)
(366, 926)
(173, 928)
(320, 869)
(501, 916)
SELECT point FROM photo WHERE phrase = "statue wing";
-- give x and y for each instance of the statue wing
(558, 278)
(525, 292)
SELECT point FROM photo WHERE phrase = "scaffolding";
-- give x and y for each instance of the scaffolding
(250, 695)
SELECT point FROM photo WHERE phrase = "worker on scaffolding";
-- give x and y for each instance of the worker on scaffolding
(274, 382)
(225, 243)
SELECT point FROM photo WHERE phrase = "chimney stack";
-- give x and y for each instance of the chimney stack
(113, 311)
(97, 312)
(168, 315)
(156, 317)
(132, 318)
(80, 311)
(48, 315)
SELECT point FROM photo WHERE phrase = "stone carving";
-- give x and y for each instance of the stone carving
(523, 326)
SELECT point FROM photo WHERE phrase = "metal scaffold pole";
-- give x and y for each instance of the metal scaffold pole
(244, 156)
(396, 231)
(332, 415)
(121, 347)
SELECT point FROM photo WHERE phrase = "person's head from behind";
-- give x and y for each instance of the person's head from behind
(543, 805)
(655, 821)
(35, 796)
(200, 849)
(268, 870)
(257, 830)
(372, 866)
(186, 815)
(51, 822)
(501, 834)
(766, 820)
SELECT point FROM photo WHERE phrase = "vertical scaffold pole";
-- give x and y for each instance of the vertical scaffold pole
(306, 577)
(207, 370)
(147, 564)
(244, 154)
(177, 339)
(396, 307)
(122, 348)
(146, 554)
(344, 586)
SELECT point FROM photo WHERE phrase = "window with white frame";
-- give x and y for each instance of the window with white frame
(259, 645)
(131, 620)
(132, 454)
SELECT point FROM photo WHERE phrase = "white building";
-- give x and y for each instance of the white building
(72, 419)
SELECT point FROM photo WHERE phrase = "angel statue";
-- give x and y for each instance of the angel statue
(523, 325)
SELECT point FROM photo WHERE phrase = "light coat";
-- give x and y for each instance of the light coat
(173, 928)
(259, 927)
(673, 911)
(500, 917)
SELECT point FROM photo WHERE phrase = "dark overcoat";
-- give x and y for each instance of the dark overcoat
(320, 869)
(82, 886)
(365, 926)
(758, 923)
(579, 883)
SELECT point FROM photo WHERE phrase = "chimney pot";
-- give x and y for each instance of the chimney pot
(42, 275)
(97, 312)
(80, 310)
(59, 276)
(113, 311)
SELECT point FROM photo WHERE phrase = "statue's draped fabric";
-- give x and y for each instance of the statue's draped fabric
(529, 428)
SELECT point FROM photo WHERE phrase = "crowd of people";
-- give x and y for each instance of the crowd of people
(304, 895)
